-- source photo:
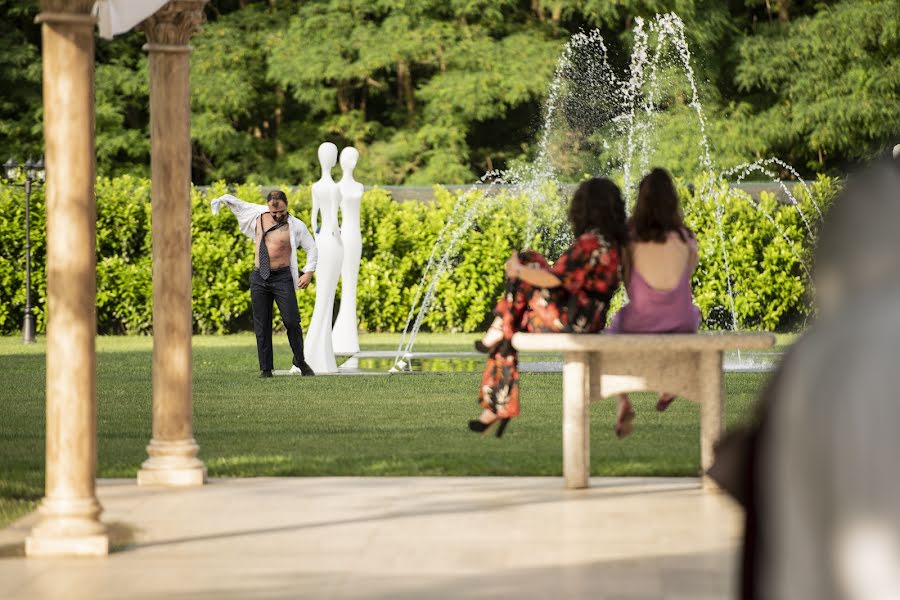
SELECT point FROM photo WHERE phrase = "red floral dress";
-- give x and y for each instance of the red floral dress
(589, 272)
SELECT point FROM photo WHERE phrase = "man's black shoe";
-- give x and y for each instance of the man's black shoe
(306, 369)
(264, 374)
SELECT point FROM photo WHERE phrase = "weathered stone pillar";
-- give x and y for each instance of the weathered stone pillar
(173, 451)
(70, 512)
(712, 410)
(577, 374)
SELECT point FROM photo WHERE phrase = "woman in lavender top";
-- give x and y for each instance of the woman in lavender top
(659, 263)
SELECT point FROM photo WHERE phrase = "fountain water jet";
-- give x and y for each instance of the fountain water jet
(585, 96)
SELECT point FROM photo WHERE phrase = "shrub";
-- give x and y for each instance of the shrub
(766, 242)
(769, 249)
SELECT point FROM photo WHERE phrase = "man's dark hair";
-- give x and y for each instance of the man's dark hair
(597, 205)
(276, 195)
(657, 210)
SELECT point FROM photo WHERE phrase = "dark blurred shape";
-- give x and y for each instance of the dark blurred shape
(819, 475)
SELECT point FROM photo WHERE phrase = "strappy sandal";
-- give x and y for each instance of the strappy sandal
(625, 425)
(664, 402)
(481, 347)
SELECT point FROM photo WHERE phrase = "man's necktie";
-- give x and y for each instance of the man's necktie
(265, 268)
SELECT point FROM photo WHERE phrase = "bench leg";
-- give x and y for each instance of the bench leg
(576, 419)
(712, 400)
(596, 376)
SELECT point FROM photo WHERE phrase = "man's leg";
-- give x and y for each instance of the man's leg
(283, 289)
(261, 304)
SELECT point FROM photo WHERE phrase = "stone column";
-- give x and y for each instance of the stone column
(577, 374)
(70, 512)
(712, 410)
(173, 450)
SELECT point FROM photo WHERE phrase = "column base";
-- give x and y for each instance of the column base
(172, 464)
(46, 547)
(69, 527)
(708, 484)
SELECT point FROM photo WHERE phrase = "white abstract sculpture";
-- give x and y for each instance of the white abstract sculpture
(326, 197)
(345, 336)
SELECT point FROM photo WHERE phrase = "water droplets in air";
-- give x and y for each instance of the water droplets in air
(598, 120)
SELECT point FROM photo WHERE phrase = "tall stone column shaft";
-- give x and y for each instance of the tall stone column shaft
(172, 451)
(70, 511)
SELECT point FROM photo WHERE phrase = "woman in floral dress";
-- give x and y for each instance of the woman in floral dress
(570, 296)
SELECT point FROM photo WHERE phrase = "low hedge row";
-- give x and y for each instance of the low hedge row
(767, 244)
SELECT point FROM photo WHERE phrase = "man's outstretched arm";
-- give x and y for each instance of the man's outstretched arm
(246, 212)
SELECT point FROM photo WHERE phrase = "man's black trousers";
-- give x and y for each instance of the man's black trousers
(280, 288)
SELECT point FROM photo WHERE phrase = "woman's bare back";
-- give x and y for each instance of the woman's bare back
(662, 264)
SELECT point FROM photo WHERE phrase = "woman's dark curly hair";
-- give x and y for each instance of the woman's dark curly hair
(657, 210)
(597, 206)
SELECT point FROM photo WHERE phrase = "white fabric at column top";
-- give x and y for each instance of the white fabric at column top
(119, 16)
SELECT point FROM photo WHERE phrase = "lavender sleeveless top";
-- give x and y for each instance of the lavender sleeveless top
(656, 311)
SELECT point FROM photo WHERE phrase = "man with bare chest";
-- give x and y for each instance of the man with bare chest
(277, 235)
(278, 239)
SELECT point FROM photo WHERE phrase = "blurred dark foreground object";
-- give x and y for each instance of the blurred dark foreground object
(733, 466)
(819, 473)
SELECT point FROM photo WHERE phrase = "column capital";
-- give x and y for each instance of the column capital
(67, 6)
(76, 12)
(173, 24)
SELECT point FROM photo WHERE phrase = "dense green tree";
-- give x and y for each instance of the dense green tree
(826, 87)
(444, 90)
(412, 82)
(239, 123)
(122, 106)
(20, 81)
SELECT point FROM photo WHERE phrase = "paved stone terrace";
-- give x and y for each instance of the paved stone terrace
(397, 538)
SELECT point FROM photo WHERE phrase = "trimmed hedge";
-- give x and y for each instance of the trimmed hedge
(768, 279)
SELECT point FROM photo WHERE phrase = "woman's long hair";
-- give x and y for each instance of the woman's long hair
(597, 206)
(657, 210)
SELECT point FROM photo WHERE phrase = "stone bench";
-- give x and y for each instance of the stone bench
(597, 366)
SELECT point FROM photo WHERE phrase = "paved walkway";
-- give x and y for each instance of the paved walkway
(397, 538)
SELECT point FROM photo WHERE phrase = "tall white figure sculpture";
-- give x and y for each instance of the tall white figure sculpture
(345, 337)
(326, 198)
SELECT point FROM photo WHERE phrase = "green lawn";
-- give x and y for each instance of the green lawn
(359, 425)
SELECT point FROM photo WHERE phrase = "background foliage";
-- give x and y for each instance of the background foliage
(769, 283)
(437, 91)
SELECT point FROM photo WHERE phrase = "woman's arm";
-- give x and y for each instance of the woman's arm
(536, 277)
(694, 254)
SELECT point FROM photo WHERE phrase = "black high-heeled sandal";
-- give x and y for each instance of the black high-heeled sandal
(481, 427)
(664, 402)
(481, 347)
(625, 425)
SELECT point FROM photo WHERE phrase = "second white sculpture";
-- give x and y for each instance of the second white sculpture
(326, 197)
(345, 335)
